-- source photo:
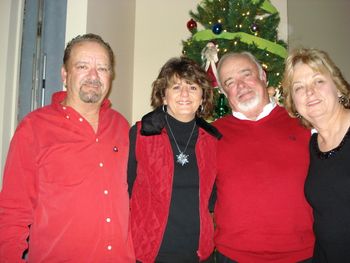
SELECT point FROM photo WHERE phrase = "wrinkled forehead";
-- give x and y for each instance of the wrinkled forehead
(236, 66)
(239, 63)
(90, 50)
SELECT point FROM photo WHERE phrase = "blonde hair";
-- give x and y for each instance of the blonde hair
(318, 61)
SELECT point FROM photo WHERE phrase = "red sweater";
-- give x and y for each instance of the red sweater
(261, 212)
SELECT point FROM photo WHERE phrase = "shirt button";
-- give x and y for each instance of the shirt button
(96, 139)
(101, 164)
(81, 119)
(64, 107)
(105, 192)
(109, 247)
(108, 220)
(67, 116)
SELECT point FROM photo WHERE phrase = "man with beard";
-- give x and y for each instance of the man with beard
(64, 186)
(261, 214)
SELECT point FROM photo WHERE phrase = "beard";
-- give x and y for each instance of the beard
(250, 104)
(90, 91)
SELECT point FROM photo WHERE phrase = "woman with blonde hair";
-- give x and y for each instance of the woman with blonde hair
(317, 93)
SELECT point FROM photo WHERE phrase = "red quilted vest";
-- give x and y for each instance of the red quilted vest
(152, 189)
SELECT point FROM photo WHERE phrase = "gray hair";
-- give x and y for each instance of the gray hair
(246, 54)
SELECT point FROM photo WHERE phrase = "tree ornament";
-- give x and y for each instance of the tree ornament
(191, 25)
(276, 94)
(221, 108)
(217, 28)
(210, 58)
(254, 28)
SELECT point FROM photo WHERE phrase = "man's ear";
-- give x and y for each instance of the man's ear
(263, 76)
(64, 76)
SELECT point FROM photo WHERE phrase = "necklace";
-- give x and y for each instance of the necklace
(331, 153)
(181, 158)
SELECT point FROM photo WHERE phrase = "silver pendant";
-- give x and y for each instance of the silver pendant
(182, 158)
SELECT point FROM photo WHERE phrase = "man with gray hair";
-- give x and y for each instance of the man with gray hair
(261, 213)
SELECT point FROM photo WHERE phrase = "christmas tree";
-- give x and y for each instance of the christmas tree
(235, 26)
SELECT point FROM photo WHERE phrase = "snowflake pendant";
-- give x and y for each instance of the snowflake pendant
(182, 158)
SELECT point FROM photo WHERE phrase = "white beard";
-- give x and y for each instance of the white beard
(249, 105)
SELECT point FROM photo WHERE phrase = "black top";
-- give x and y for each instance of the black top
(327, 189)
(181, 234)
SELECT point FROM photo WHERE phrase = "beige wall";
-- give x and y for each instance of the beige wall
(11, 13)
(118, 28)
(322, 24)
(160, 27)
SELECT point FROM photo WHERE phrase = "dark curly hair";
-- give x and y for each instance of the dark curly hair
(186, 69)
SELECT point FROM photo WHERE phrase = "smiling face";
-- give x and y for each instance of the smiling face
(245, 89)
(182, 99)
(88, 74)
(314, 94)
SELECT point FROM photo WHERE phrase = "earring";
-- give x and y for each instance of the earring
(164, 108)
(343, 100)
(201, 108)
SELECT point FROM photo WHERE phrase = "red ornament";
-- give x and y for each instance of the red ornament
(212, 77)
(191, 24)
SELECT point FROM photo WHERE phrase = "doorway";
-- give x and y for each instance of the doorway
(43, 42)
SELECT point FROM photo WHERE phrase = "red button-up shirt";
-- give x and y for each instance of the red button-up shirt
(68, 184)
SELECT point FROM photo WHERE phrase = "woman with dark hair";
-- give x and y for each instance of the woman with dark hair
(317, 93)
(172, 166)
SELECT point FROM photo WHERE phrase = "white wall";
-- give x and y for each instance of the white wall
(76, 18)
(11, 13)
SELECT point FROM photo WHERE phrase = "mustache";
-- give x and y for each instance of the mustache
(92, 82)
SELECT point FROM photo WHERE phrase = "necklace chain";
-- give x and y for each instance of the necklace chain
(181, 158)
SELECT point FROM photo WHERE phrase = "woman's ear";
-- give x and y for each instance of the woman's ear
(271, 91)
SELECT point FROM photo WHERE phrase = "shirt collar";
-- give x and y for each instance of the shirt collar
(266, 111)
